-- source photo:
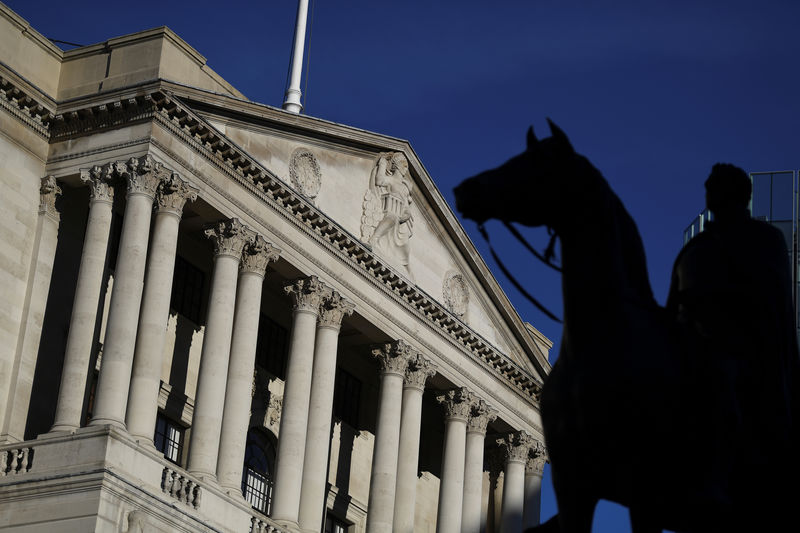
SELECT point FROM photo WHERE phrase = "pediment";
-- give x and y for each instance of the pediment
(376, 189)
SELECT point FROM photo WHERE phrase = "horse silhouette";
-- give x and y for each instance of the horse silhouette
(624, 408)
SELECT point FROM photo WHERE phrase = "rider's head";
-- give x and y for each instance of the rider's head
(728, 191)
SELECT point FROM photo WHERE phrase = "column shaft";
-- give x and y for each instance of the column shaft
(111, 397)
(236, 415)
(44, 251)
(383, 477)
(533, 492)
(210, 397)
(458, 406)
(408, 460)
(146, 374)
(473, 483)
(451, 490)
(513, 497)
(318, 432)
(84, 307)
(294, 415)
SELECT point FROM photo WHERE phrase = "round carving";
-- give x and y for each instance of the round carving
(305, 173)
(456, 293)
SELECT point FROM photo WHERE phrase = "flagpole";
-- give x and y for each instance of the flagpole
(293, 93)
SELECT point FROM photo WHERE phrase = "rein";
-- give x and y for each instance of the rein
(546, 259)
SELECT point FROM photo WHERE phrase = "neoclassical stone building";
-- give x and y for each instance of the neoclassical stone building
(221, 316)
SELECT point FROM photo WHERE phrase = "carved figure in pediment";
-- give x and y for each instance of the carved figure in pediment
(455, 293)
(305, 173)
(387, 224)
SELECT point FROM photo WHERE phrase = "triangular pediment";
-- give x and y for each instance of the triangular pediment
(377, 190)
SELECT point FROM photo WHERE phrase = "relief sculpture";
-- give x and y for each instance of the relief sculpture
(305, 173)
(387, 224)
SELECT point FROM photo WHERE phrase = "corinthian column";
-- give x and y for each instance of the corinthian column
(142, 176)
(173, 193)
(229, 237)
(87, 296)
(393, 358)
(479, 419)
(18, 383)
(307, 295)
(533, 485)
(458, 405)
(258, 253)
(517, 447)
(418, 371)
(320, 410)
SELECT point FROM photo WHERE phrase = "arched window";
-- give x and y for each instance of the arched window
(259, 466)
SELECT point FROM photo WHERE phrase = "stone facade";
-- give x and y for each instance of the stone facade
(217, 316)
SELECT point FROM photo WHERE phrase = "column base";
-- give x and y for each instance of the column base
(117, 424)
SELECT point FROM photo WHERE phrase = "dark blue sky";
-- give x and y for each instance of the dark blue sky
(653, 93)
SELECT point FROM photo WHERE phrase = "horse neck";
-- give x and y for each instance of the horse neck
(604, 268)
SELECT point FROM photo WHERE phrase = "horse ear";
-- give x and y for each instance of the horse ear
(560, 136)
(531, 138)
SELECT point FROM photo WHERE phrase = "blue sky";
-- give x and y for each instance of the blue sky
(652, 92)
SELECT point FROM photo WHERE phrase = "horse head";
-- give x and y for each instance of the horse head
(530, 188)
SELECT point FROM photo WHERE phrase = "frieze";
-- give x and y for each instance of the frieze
(228, 236)
(257, 254)
(304, 173)
(48, 191)
(307, 294)
(394, 357)
(332, 310)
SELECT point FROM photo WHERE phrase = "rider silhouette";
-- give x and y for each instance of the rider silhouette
(731, 299)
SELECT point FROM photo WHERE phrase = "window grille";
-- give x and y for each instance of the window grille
(168, 438)
(259, 462)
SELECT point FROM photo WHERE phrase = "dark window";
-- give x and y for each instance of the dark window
(115, 233)
(259, 464)
(334, 525)
(347, 397)
(187, 290)
(272, 345)
(168, 438)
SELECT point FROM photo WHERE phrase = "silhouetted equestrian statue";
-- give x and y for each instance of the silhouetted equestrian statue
(683, 415)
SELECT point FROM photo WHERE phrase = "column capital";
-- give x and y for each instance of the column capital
(537, 459)
(306, 293)
(142, 174)
(99, 180)
(48, 191)
(517, 446)
(394, 356)
(420, 368)
(332, 310)
(257, 254)
(229, 237)
(457, 403)
(480, 416)
(173, 192)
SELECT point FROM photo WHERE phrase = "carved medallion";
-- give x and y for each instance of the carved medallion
(305, 173)
(455, 293)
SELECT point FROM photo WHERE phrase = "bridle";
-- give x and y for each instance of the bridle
(545, 258)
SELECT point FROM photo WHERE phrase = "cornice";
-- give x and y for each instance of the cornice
(154, 103)
(24, 105)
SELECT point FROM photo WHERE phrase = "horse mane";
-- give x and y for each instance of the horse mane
(623, 230)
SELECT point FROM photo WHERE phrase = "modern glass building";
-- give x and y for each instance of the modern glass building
(775, 200)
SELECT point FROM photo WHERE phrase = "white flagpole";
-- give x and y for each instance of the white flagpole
(292, 98)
